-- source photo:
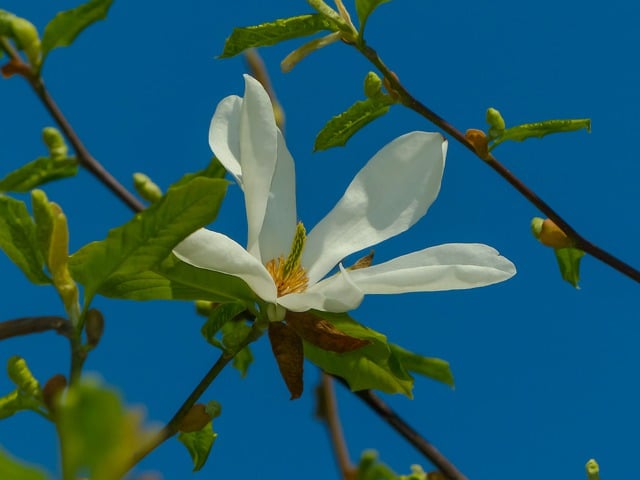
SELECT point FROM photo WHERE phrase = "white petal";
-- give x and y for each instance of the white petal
(214, 251)
(258, 154)
(334, 294)
(393, 190)
(224, 135)
(451, 266)
(279, 224)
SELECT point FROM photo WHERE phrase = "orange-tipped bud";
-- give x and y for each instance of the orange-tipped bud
(480, 143)
(549, 233)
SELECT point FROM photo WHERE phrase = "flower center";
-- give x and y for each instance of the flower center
(288, 274)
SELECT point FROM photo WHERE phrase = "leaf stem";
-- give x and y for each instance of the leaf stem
(385, 412)
(29, 325)
(327, 411)
(403, 95)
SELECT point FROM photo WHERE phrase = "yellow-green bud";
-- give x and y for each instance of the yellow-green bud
(146, 188)
(20, 374)
(372, 85)
(55, 143)
(494, 119)
(593, 470)
(26, 36)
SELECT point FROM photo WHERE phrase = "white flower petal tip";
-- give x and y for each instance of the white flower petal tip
(453, 266)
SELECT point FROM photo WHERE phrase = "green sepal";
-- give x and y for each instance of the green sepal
(18, 239)
(364, 8)
(144, 242)
(373, 366)
(199, 444)
(12, 469)
(97, 434)
(38, 172)
(433, 368)
(63, 29)
(342, 127)
(271, 33)
(569, 264)
(540, 129)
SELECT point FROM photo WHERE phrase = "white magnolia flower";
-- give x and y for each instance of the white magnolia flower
(288, 269)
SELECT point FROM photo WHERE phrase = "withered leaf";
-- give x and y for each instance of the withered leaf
(287, 348)
(322, 333)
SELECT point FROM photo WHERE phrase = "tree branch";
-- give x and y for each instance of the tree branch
(411, 102)
(29, 325)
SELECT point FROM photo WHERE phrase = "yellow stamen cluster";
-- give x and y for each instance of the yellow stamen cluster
(288, 274)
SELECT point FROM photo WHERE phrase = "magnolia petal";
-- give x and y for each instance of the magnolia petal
(393, 190)
(214, 251)
(452, 266)
(334, 294)
(224, 135)
(258, 155)
(279, 226)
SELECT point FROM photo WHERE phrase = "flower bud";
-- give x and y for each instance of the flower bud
(27, 39)
(549, 234)
(52, 391)
(494, 119)
(372, 85)
(94, 327)
(196, 419)
(146, 188)
(55, 143)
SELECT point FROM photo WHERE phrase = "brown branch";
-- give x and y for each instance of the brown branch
(29, 325)
(85, 158)
(398, 90)
(327, 411)
(427, 449)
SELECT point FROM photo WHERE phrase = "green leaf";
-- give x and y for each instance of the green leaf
(540, 129)
(371, 367)
(145, 241)
(434, 368)
(214, 170)
(274, 32)
(242, 361)
(569, 264)
(97, 434)
(63, 29)
(341, 128)
(12, 469)
(218, 318)
(364, 8)
(18, 239)
(199, 445)
(40, 171)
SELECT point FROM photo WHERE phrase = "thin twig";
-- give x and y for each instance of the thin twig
(29, 325)
(385, 412)
(411, 102)
(328, 412)
(85, 158)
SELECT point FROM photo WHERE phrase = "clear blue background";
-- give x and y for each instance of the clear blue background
(546, 375)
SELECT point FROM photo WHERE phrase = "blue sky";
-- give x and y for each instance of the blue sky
(545, 374)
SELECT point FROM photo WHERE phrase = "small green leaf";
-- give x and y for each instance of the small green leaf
(199, 445)
(434, 368)
(12, 469)
(145, 241)
(63, 29)
(364, 8)
(242, 361)
(274, 32)
(97, 434)
(569, 263)
(218, 318)
(540, 129)
(341, 128)
(371, 367)
(18, 239)
(40, 171)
